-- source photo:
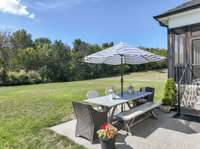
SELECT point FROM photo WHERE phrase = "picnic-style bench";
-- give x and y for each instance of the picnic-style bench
(129, 117)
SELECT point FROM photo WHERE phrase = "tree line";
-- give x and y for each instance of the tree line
(27, 61)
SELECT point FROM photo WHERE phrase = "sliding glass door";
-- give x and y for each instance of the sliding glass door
(196, 51)
(196, 58)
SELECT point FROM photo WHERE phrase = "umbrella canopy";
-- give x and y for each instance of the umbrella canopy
(122, 54)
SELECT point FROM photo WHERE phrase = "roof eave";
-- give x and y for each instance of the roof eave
(161, 23)
(176, 12)
(158, 17)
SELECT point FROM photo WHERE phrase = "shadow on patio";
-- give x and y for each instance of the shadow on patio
(165, 133)
(165, 121)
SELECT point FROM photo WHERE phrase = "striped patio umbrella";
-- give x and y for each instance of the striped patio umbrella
(121, 54)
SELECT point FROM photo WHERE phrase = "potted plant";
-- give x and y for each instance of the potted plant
(169, 99)
(107, 134)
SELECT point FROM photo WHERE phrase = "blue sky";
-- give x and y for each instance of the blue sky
(94, 21)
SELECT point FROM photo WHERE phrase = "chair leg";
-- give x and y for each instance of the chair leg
(133, 104)
(122, 108)
(154, 114)
(128, 128)
(129, 106)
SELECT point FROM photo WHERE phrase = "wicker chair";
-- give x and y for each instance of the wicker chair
(149, 98)
(92, 94)
(88, 121)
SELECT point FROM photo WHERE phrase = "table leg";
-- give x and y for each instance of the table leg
(122, 108)
(129, 106)
(105, 109)
(113, 111)
(112, 114)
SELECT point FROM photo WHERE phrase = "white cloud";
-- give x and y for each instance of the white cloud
(46, 4)
(15, 7)
(32, 16)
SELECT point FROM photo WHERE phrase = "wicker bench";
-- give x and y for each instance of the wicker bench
(145, 110)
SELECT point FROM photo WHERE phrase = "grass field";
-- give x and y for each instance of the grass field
(27, 111)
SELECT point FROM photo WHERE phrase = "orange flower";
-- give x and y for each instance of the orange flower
(107, 131)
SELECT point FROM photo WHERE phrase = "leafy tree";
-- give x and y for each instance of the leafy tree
(57, 62)
(107, 45)
(80, 50)
(29, 59)
(21, 39)
(6, 54)
(40, 42)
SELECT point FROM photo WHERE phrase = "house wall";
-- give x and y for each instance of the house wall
(184, 19)
(188, 24)
(191, 32)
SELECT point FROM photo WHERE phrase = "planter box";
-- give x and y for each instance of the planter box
(165, 109)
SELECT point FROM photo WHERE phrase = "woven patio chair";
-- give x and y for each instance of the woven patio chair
(92, 94)
(149, 98)
(88, 121)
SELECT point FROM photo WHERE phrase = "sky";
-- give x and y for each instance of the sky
(94, 21)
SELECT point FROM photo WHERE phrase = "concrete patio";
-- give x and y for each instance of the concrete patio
(164, 133)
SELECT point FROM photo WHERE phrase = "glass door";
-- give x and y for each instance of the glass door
(196, 58)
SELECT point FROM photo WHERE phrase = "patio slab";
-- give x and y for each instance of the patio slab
(164, 133)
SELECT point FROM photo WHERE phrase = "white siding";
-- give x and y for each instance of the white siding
(183, 19)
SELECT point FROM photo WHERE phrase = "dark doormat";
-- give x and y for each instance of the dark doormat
(187, 117)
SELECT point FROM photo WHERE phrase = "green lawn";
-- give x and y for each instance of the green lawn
(27, 111)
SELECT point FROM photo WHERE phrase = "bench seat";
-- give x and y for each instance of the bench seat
(129, 116)
(137, 111)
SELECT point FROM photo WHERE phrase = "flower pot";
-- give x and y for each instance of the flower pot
(107, 143)
(165, 109)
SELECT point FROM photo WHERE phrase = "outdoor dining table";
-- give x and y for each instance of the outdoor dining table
(108, 102)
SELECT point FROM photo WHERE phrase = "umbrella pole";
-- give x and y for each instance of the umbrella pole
(122, 80)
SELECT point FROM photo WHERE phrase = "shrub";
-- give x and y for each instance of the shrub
(22, 78)
(170, 93)
(34, 77)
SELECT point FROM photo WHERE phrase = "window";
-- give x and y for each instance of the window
(196, 51)
(179, 48)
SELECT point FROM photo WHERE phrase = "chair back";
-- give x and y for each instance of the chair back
(82, 112)
(88, 121)
(149, 98)
(92, 94)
